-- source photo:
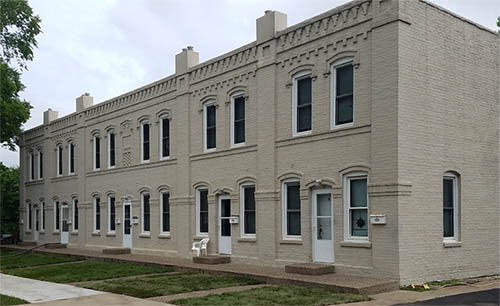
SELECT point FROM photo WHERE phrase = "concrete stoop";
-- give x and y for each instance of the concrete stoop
(310, 269)
(56, 246)
(116, 251)
(27, 243)
(211, 259)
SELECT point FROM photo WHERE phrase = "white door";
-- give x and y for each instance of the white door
(127, 224)
(64, 224)
(322, 226)
(224, 225)
(37, 223)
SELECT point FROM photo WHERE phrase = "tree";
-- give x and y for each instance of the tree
(9, 200)
(19, 28)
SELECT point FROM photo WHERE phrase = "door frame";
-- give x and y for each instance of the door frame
(64, 235)
(129, 239)
(314, 198)
(219, 231)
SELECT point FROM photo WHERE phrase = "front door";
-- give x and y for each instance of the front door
(64, 224)
(224, 225)
(322, 226)
(127, 224)
(37, 223)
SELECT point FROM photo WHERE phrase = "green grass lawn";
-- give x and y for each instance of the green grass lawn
(7, 261)
(9, 300)
(159, 285)
(282, 295)
(86, 271)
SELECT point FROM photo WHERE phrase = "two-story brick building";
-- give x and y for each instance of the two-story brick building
(366, 137)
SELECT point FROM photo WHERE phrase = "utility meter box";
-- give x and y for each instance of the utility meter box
(234, 219)
(117, 221)
(378, 219)
(135, 220)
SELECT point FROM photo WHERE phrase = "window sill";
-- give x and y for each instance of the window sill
(111, 234)
(342, 126)
(74, 233)
(452, 244)
(145, 161)
(247, 239)
(291, 241)
(302, 134)
(34, 182)
(165, 158)
(238, 145)
(209, 150)
(145, 235)
(96, 234)
(164, 236)
(356, 244)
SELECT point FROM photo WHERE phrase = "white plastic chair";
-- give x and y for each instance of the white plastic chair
(200, 247)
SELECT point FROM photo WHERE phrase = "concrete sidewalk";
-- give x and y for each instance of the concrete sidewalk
(35, 291)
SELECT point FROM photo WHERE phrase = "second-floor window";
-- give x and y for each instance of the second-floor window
(59, 160)
(71, 153)
(40, 164)
(302, 103)
(165, 137)
(145, 141)
(343, 92)
(97, 152)
(209, 126)
(32, 167)
(238, 120)
(111, 150)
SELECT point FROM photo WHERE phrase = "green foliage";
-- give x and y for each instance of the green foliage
(498, 22)
(9, 201)
(7, 261)
(9, 300)
(19, 28)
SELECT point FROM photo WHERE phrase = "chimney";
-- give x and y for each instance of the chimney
(186, 59)
(49, 115)
(84, 101)
(269, 24)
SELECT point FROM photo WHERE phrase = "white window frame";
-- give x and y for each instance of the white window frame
(242, 211)
(333, 101)
(205, 135)
(143, 232)
(69, 158)
(142, 142)
(94, 215)
(58, 162)
(299, 76)
(456, 204)
(161, 137)
(233, 98)
(109, 214)
(55, 212)
(42, 217)
(94, 153)
(109, 149)
(198, 203)
(73, 214)
(164, 233)
(39, 164)
(284, 222)
(31, 170)
(347, 207)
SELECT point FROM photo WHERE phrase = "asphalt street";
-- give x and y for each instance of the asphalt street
(479, 298)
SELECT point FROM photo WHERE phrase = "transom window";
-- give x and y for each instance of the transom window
(248, 208)
(111, 150)
(356, 203)
(209, 118)
(238, 120)
(302, 103)
(202, 211)
(146, 216)
(145, 141)
(97, 152)
(165, 212)
(450, 207)
(165, 137)
(291, 209)
(343, 92)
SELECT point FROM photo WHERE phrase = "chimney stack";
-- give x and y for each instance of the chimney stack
(49, 115)
(269, 24)
(186, 59)
(84, 101)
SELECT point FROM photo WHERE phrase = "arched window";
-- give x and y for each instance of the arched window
(209, 126)
(247, 209)
(356, 206)
(291, 210)
(202, 211)
(450, 206)
(164, 212)
(342, 100)
(302, 103)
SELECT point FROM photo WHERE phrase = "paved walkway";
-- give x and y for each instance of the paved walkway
(201, 293)
(107, 299)
(35, 291)
(271, 275)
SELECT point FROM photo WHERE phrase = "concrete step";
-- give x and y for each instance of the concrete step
(116, 251)
(27, 243)
(212, 259)
(56, 246)
(308, 268)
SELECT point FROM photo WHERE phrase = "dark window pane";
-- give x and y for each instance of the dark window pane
(204, 222)
(97, 156)
(145, 141)
(293, 196)
(344, 111)
(165, 141)
(239, 108)
(359, 222)
(60, 151)
(293, 223)
(211, 127)
(165, 212)
(225, 208)
(97, 214)
(146, 215)
(358, 193)
(203, 211)
(250, 222)
(203, 200)
(111, 149)
(43, 215)
(448, 222)
(211, 138)
(225, 228)
(58, 211)
(249, 210)
(249, 198)
(75, 214)
(112, 214)
(30, 217)
(448, 193)
(239, 132)
(72, 158)
(304, 118)
(344, 80)
(40, 154)
(127, 219)
(304, 91)
(32, 167)
(211, 116)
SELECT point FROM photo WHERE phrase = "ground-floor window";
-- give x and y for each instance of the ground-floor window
(43, 216)
(75, 215)
(356, 204)
(30, 217)
(450, 206)
(97, 214)
(111, 214)
(165, 212)
(145, 208)
(57, 212)
(291, 209)
(248, 209)
(202, 211)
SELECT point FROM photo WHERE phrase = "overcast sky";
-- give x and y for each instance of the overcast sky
(108, 47)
